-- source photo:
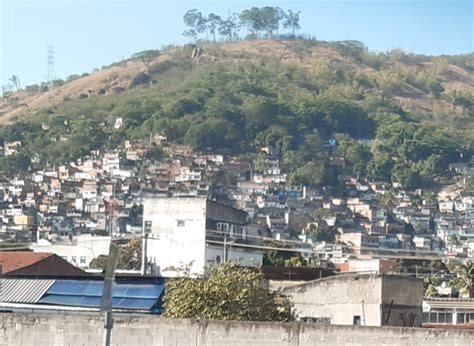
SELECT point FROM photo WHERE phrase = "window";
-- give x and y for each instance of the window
(460, 318)
(83, 259)
(356, 321)
(73, 259)
(148, 225)
(238, 231)
(180, 223)
(441, 318)
(426, 317)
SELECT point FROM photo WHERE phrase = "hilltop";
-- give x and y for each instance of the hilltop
(396, 116)
(399, 77)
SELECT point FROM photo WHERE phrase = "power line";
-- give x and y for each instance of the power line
(311, 251)
(299, 242)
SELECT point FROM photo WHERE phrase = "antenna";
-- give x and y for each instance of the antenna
(51, 76)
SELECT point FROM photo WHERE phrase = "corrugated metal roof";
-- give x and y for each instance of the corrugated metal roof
(23, 290)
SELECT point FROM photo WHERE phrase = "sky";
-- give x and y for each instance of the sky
(89, 34)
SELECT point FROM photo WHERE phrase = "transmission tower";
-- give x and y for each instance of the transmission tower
(51, 76)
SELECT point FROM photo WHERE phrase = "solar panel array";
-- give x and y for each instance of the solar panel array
(86, 293)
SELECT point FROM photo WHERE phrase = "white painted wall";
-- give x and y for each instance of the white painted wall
(170, 245)
(88, 247)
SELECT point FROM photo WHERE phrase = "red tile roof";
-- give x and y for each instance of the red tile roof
(12, 260)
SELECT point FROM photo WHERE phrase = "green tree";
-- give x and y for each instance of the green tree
(129, 257)
(16, 81)
(405, 176)
(292, 21)
(213, 22)
(229, 28)
(18, 162)
(295, 262)
(251, 19)
(227, 292)
(435, 88)
(463, 99)
(311, 174)
(195, 22)
(464, 281)
(100, 262)
(430, 283)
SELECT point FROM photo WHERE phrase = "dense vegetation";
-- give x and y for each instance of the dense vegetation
(237, 105)
(227, 292)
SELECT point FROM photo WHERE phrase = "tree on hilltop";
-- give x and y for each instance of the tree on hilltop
(292, 20)
(195, 22)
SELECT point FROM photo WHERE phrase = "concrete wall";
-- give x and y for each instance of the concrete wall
(244, 257)
(377, 300)
(407, 295)
(217, 211)
(17, 329)
(339, 298)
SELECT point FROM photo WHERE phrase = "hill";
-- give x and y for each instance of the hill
(403, 78)
(396, 115)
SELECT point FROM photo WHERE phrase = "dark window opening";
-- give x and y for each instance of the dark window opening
(356, 321)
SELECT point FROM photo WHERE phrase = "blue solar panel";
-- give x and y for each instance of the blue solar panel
(61, 300)
(95, 288)
(94, 302)
(136, 304)
(87, 293)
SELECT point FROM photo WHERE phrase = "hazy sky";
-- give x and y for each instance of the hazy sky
(91, 33)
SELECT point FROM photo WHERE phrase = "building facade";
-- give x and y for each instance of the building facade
(443, 312)
(359, 299)
(194, 232)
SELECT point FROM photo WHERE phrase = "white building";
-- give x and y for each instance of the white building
(111, 161)
(80, 251)
(448, 311)
(192, 231)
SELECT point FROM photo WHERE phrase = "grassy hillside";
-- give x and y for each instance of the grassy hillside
(403, 78)
(288, 94)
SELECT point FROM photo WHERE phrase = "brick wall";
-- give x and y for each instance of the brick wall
(35, 330)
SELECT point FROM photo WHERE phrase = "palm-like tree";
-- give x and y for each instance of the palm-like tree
(15, 80)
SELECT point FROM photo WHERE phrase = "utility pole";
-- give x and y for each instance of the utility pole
(107, 293)
(1, 283)
(225, 248)
(144, 254)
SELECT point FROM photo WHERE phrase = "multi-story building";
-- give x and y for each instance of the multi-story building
(195, 231)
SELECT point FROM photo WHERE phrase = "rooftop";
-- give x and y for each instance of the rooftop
(14, 260)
